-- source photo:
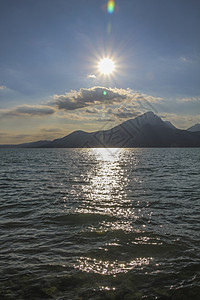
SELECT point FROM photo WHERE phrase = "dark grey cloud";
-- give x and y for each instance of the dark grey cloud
(87, 97)
(34, 110)
(28, 110)
(124, 112)
(92, 110)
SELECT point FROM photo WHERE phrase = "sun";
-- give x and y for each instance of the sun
(106, 66)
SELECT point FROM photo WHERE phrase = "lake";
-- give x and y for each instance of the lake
(100, 223)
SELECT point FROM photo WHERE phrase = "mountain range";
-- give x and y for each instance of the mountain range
(147, 130)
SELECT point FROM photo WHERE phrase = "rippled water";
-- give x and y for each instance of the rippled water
(99, 224)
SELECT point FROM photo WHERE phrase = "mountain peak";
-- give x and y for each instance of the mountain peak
(149, 114)
(147, 118)
(194, 128)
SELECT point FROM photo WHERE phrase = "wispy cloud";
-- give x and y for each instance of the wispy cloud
(192, 99)
(182, 58)
(2, 87)
(92, 110)
(28, 110)
(51, 130)
(21, 136)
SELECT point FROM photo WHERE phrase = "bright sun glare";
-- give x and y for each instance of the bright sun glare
(106, 66)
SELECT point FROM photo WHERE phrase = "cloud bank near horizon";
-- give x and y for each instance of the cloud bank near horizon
(95, 104)
(87, 101)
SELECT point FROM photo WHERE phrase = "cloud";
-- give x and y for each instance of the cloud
(28, 110)
(100, 114)
(34, 110)
(51, 130)
(192, 99)
(21, 136)
(104, 120)
(92, 76)
(182, 58)
(92, 110)
(96, 95)
(87, 97)
(123, 112)
(100, 103)
(2, 87)
(89, 104)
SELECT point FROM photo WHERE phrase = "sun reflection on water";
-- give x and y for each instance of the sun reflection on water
(105, 267)
(107, 154)
(105, 196)
(105, 192)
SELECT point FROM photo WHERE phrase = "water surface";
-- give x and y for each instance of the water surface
(99, 223)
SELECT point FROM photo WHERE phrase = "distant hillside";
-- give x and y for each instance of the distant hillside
(194, 128)
(147, 130)
(37, 144)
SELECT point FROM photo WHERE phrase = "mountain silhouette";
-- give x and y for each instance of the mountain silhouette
(194, 128)
(147, 130)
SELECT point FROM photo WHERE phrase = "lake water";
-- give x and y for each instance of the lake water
(99, 224)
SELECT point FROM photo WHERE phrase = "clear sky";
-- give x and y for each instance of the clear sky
(50, 83)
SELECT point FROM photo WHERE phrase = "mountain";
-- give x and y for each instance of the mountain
(170, 125)
(38, 144)
(147, 130)
(194, 128)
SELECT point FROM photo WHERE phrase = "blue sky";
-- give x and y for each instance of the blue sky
(50, 50)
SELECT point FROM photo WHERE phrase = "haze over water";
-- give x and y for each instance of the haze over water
(99, 223)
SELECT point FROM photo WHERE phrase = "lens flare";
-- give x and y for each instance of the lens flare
(111, 6)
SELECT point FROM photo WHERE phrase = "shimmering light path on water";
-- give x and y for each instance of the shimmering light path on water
(99, 223)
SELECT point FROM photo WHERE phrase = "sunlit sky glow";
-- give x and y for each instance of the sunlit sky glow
(50, 80)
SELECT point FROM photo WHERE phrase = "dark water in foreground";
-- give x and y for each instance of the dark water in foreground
(99, 224)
